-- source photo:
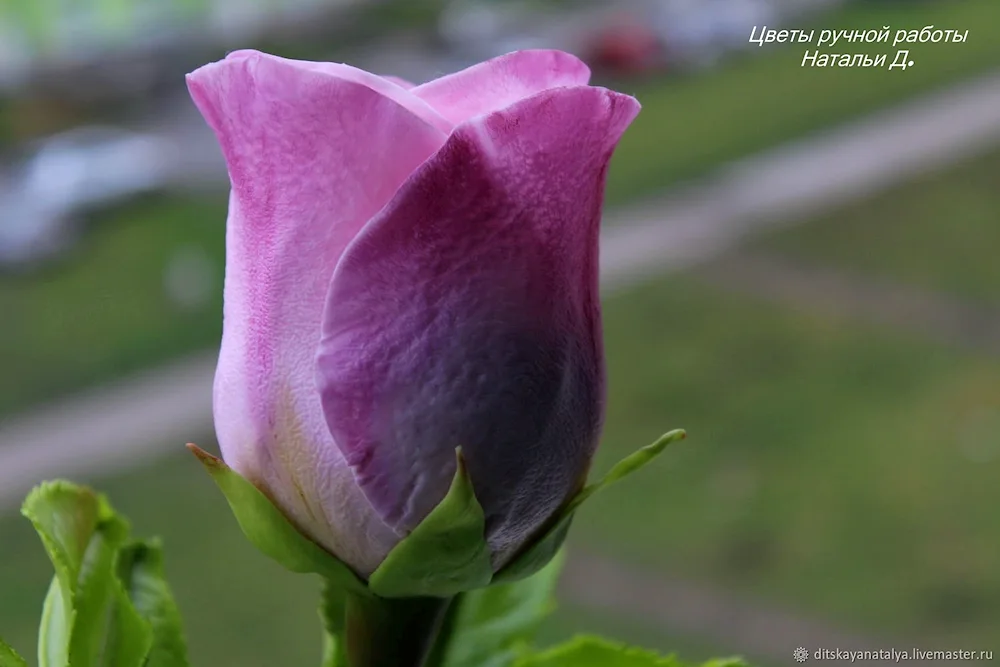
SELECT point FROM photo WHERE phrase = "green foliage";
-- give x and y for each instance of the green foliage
(140, 568)
(269, 530)
(596, 652)
(9, 657)
(39, 18)
(538, 554)
(492, 626)
(86, 617)
(446, 554)
(108, 605)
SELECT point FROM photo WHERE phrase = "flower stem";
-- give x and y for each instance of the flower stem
(381, 632)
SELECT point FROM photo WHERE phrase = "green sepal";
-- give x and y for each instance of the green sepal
(446, 554)
(9, 657)
(271, 532)
(541, 551)
(87, 616)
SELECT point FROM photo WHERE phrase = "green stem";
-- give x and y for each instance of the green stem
(439, 651)
(380, 632)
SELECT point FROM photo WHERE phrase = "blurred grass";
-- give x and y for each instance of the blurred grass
(105, 313)
(828, 465)
(826, 468)
(940, 232)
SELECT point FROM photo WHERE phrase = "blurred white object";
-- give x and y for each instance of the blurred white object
(472, 24)
(69, 174)
(483, 29)
(131, 44)
(700, 32)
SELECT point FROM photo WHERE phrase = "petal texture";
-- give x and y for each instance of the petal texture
(467, 314)
(498, 83)
(313, 152)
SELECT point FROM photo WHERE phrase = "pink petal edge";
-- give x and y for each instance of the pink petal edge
(497, 83)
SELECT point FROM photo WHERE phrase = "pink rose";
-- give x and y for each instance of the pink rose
(411, 269)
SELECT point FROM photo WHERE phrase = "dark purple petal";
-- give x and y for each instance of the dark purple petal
(467, 314)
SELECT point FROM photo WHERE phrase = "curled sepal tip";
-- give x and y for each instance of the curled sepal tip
(540, 552)
(270, 531)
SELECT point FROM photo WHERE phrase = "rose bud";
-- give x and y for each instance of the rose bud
(411, 269)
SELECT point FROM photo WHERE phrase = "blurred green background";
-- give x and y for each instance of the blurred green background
(838, 376)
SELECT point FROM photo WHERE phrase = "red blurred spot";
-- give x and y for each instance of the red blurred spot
(626, 47)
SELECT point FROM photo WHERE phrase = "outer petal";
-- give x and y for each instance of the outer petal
(403, 83)
(467, 314)
(498, 83)
(312, 156)
(389, 86)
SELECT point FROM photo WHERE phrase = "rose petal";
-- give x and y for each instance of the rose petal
(394, 88)
(312, 155)
(467, 314)
(497, 83)
(403, 83)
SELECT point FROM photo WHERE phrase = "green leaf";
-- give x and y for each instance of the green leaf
(596, 652)
(130, 638)
(270, 530)
(65, 516)
(545, 548)
(331, 612)
(86, 620)
(446, 554)
(97, 596)
(492, 624)
(55, 628)
(9, 657)
(140, 570)
(586, 651)
(725, 662)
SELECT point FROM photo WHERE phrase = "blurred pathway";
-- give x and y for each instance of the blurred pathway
(944, 318)
(107, 430)
(784, 186)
